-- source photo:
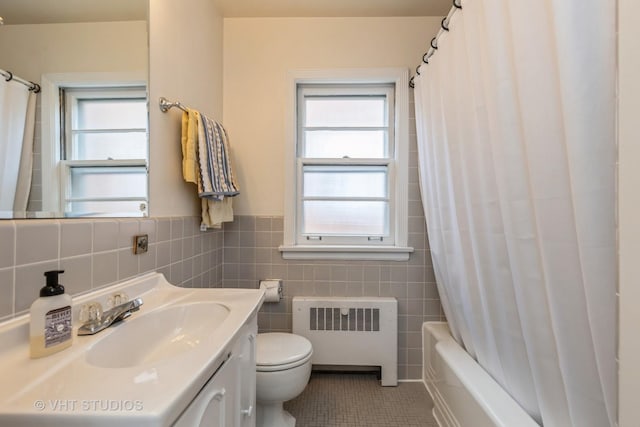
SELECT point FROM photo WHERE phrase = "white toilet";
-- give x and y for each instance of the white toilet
(283, 367)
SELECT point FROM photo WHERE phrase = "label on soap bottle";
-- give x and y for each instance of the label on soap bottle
(57, 326)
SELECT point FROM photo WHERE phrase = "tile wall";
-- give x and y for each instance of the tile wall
(97, 253)
(251, 253)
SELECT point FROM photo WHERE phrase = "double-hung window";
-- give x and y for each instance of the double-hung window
(348, 200)
(104, 150)
(344, 166)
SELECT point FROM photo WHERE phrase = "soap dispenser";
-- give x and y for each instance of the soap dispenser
(51, 326)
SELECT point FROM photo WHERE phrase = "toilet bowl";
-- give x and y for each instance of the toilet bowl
(283, 367)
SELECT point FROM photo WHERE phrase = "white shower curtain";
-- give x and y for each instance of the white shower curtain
(515, 117)
(17, 119)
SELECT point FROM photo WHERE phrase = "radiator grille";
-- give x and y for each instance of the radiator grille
(350, 331)
(341, 319)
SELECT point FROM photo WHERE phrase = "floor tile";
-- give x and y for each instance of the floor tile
(358, 400)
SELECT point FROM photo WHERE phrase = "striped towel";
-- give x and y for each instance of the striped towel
(206, 163)
(216, 175)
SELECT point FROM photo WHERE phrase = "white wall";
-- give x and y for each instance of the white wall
(185, 59)
(32, 50)
(258, 52)
(629, 211)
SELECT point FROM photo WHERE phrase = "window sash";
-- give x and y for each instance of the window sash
(386, 238)
(69, 198)
(346, 92)
(366, 110)
(110, 203)
(364, 143)
(341, 220)
(108, 144)
(385, 163)
(71, 97)
(355, 172)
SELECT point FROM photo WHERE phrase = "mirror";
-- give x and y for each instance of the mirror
(74, 49)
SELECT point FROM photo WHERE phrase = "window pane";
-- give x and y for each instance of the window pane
(349, 181)
(103, 146)
(345, 111)
(345, 218)
(354, 144)
(104, 181)
(112, 113)
(117, 208)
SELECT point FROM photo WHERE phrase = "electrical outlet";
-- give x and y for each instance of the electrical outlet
(140, 243)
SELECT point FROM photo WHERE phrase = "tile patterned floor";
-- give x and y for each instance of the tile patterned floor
(358, 400)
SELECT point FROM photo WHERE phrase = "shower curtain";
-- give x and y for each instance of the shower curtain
(515, 115)
(17, 119)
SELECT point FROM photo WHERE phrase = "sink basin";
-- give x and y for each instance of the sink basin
(148, 338)
(143, 371)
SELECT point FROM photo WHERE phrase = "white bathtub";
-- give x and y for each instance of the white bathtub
(463, 394)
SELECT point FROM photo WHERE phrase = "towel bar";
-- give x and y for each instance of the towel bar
(166, 105)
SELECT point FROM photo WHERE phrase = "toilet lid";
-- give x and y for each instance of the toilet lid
(277, 348)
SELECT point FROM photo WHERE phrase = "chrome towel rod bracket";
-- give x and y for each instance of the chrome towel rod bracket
(166, 105)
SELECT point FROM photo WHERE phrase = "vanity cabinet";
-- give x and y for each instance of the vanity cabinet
(228, 399)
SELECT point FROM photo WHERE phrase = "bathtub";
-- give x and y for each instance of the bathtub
(463, 394)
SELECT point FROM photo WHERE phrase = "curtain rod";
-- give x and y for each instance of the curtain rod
(8, 76)
(444, 27)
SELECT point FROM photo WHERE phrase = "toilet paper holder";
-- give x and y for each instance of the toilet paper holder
(272, 289)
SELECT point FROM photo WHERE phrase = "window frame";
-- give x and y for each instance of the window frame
(387, 162)
(56, 170)
(293, 246)
(72, 95)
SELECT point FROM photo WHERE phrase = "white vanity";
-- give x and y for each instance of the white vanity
(186, 358)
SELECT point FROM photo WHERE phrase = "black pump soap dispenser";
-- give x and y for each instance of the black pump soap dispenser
(51, 324)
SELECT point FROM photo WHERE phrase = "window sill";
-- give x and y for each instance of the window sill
(353, 253)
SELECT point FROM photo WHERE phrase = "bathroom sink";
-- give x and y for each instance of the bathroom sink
(140, 372)
(150, 338)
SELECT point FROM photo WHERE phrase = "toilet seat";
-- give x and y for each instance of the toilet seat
(277, 351)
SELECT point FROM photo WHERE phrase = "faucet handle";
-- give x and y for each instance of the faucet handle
(90, 312)
(117, 299)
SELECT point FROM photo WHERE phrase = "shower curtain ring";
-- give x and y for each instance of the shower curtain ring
(425, 58)
(444, 27)
(411, 84)
(435, 46)
(8, 79)
(418, 70)
(456, 5)
(35, 88)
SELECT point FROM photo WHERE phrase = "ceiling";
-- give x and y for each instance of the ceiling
(63, 11)
(332, 8)
(59, 11)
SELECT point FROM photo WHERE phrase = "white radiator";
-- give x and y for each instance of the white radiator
(356, 331)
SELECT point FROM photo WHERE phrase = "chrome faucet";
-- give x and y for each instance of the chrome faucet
(109, 317)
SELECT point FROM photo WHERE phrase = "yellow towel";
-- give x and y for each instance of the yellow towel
(190, 120)
(215, 212)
